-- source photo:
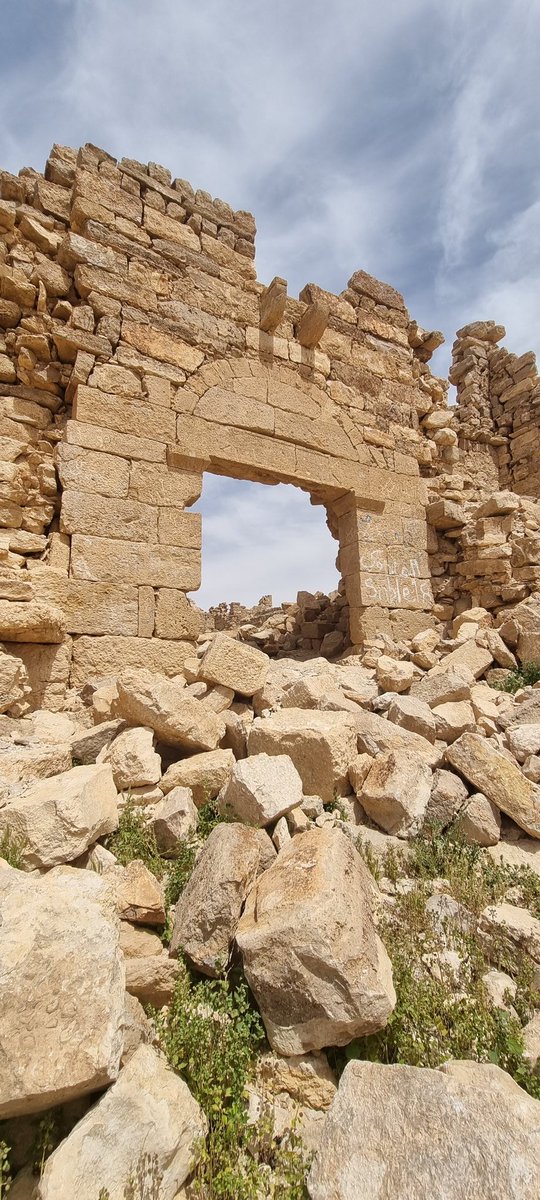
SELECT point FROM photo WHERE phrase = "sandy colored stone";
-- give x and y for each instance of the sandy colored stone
(515, 924)
(523, 740)
(133, 760)
(415, 715)
(35, 621)
(148, 1112)
(176, 617)
(479, 821)
(152, 980)
(88, 743)
(106, 559)
(396, 792)
(443, 687)
(394, 674)
(474, 658)
(204, 774)
(312, 957)
(96, 657)
(207, 913)
(531, 1041)
(322, 745)
(59, 818)
(497, 778)
(397, 1131)
(145, 698)
(23, 765)
(307, 1078)
(261, 789)
(453, 719)
(137, 894)
(448, 795)
(136, 942)
(14, 685)
(59, 1037)
(174, 819)
(234, 664)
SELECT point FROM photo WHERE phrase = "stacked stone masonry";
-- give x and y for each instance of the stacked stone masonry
(138, 350)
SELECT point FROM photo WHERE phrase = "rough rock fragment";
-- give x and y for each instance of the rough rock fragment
(177, 719)
(232, 663)
(499, 779)
(312, 957)
(322, 746)
(148, 1116)
(133, 760)
(396, 1131)
(59, 1037)
(396, 792)
(174, 818)
(261, 789)
(59, 818)
(208, 910)
(204, 774)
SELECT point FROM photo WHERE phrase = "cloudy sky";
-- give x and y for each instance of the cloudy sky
(401, 137)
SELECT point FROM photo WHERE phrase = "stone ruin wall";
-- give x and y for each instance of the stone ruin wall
(138, 349)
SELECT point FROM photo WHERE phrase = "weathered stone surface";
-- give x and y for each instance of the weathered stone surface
(499, 779)
(59, 818)
(396, 792)
(209, 908)
(96, 657)
(322, 746)
(397, 1131)
(415, 715)
(479, 821)
(133, 760)
(444, 687)
(34, 621)
(21, 765)
(453, 719)
(137, 894)
(148, 1114)
(174, 818)
(204, 774)
(515, 924)
(59, 1037)
(86, 746)
(261, 789)
(177, 719)
(175, 616)
(318, 970)
(474, 658)
(448, 795)
(393, 674)
(14, 685)
(152, 979)
(234, 664)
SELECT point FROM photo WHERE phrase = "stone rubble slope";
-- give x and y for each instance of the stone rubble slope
(307, 756)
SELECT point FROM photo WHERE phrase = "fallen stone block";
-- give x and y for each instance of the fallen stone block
(322, 746)
(163, 705)
(396, 792)
(232, 663)
(203, 774)
(497, 778)
(261, 789)
(57, 819)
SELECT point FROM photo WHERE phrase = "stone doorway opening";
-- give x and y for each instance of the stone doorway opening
(269, 563)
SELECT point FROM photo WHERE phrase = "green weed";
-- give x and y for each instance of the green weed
(12, 849)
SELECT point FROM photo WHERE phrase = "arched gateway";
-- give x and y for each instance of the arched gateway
(146, 352)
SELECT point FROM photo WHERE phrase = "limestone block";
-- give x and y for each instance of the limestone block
(105, 516)
(31, 621)
(59, 818)
(454, 719)
(48, 671)
(122, 415)
(176, 616)
(174, 819)
(443, 687)
(475, 658)
(497, 778)
(162, 485)
(318, 970)
(132, 759)
(91, 471)
(148, 1115)
(415, 715)
(261, 789)
(89, 280)
(109, 559)
(458, 1132)
(524, 740)
(14, 685)
(207, 913)
(396, 792)
(479, 821)
(235, 665)
(59, 1037)
(108, 441)
(136, 942)
(159, 344)
(177, 528)
(515, 924)
(177, 719)
(162, 226)
(97, 608)
(97, 657)
(152, 980)
(394, 674)
(322, 746)
(137, 894)
(203, 774)
(377, 735)
(448, 796)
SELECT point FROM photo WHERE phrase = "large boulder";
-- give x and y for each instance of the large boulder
(14, 684)
(147, 1128)
(235, 665)
(396, 792)
(322, 745)
(407, 1133)
(133, 760)
(499, 779)
(261, 789)
(61, 989)
(162, 704)
(209, 908)
(57, 819)
(319, 972)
